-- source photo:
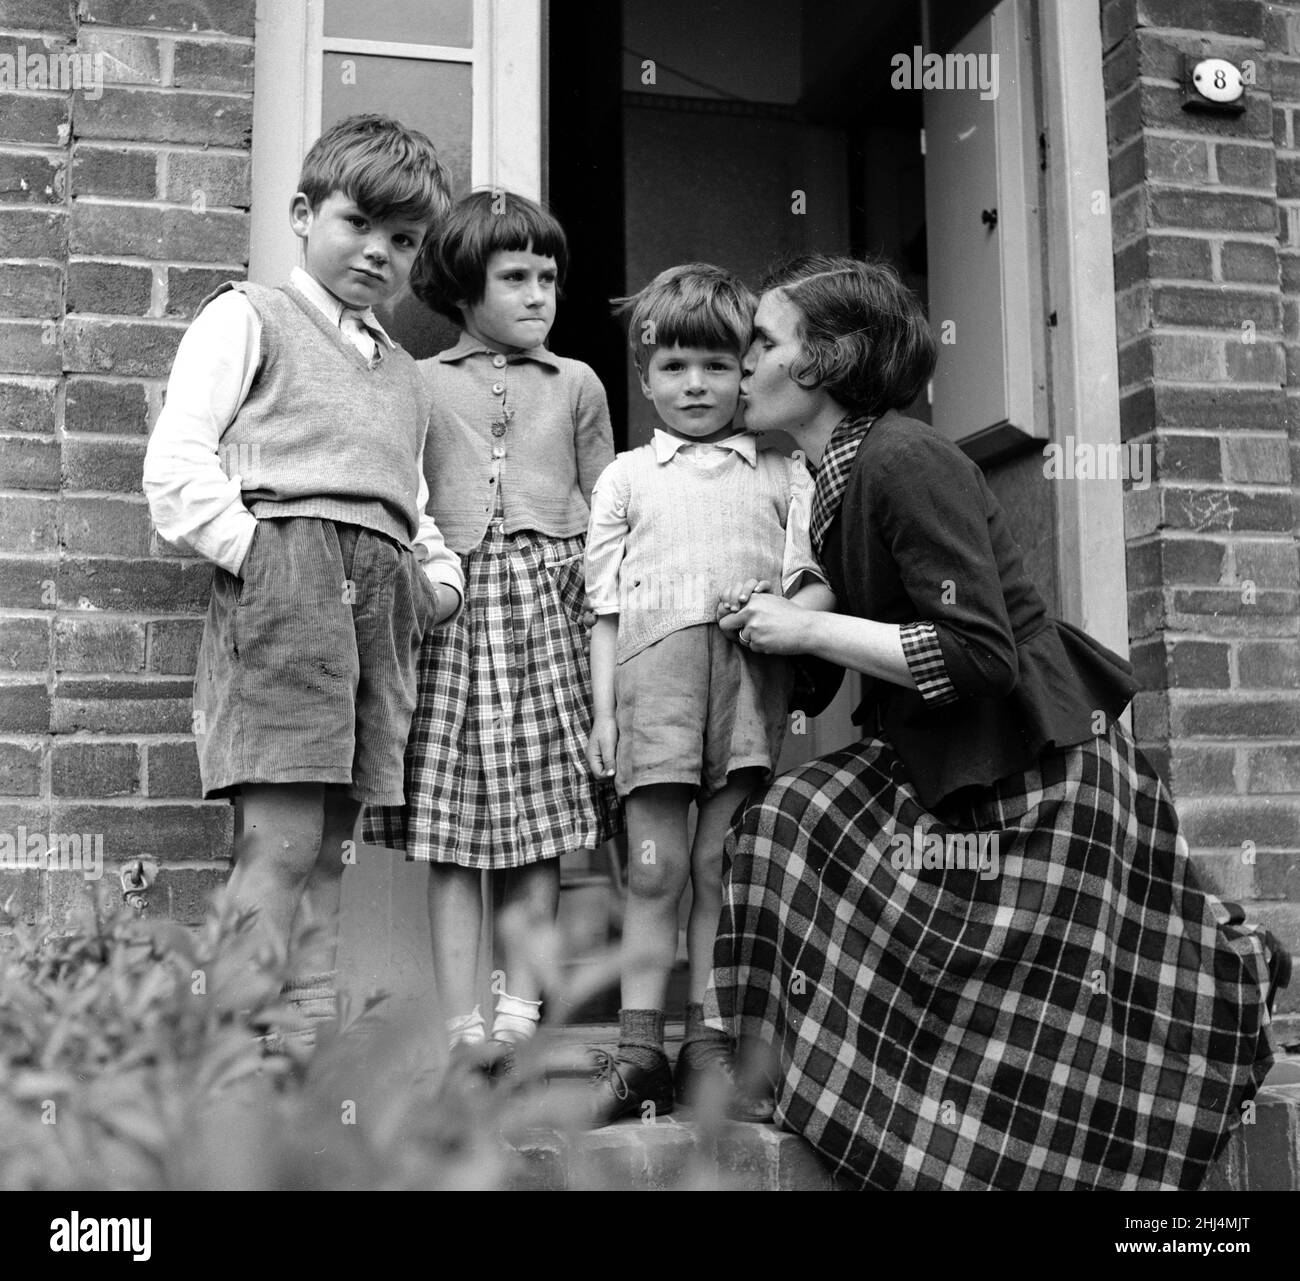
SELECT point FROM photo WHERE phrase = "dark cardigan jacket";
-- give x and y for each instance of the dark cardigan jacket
(920, 536)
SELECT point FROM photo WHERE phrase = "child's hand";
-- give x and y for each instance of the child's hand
(737, 596)
(602, 743)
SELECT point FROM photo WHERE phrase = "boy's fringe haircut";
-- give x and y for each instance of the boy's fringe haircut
(452, 266)
(863, 332)
(694, 305)
(390, 171)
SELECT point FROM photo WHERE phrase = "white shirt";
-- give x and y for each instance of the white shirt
(193, 502)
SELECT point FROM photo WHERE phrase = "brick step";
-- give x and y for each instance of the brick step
(1265, 1156)
(677, 1151)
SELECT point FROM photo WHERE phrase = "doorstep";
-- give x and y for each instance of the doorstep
(676, 1152)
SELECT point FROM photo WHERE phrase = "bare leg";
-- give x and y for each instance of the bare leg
(706, 874)
(325, 884)
(455, 922)
(529, 902)
(276, 852)
(657, 865)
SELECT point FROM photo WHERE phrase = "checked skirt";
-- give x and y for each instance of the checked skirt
(1089, 1017)
(496, 775)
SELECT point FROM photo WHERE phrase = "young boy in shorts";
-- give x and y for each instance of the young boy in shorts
(681, 711)
(289, 454)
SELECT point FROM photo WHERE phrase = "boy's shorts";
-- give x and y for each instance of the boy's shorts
(695, 707)
(306, 671)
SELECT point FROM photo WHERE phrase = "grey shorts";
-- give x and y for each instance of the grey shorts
(694, 708)
(306, 670)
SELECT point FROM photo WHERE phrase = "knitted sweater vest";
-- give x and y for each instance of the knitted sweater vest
(321, 433)
(692, 532)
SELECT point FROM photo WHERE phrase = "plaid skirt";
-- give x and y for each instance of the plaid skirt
(1033, 991)
(496, 773)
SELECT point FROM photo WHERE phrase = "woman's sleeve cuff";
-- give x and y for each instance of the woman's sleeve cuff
(925, 662)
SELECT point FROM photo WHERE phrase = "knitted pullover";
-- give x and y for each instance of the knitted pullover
(321, 433)
(678, 533)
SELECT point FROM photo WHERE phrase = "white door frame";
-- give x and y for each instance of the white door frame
(1092, 575)
(506, 145)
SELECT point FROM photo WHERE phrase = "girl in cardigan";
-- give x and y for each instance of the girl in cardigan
(974, 939)
(495, 769)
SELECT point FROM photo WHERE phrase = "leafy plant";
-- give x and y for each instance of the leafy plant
(133, 1056)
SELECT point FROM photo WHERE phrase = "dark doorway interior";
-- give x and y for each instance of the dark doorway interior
(584, 185)
(730, 131)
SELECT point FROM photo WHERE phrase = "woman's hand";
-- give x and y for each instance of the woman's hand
(770, 624)
(737, 595)
(602, 743)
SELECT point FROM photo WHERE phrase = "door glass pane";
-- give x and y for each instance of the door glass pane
(433, 97)
(446, 22)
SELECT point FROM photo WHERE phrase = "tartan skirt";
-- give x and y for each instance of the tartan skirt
(496, 773)
(1033, 991)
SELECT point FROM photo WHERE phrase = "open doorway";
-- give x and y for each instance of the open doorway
(741, 132)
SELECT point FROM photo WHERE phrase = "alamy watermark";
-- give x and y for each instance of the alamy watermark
(62, 71)
(953, 852)
(82, 852)
(668, 592)
(90, 1235)
(1081, 460)
(921, 70)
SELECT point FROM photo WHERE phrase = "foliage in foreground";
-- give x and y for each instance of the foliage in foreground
(130, 1059)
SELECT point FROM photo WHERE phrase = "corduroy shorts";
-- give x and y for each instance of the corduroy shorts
(306, 670)
(695, 707)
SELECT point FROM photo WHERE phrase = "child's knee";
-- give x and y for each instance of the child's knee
(706, 874)
(653, 872)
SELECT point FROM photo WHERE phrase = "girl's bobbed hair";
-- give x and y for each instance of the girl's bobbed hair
(451, 269)
(864, 335)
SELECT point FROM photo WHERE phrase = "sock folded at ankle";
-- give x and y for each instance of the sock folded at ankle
(314, 996)
(516, 1018)
(466, 1029)
(641, 1036)
(696, 1028)
(700, 1042)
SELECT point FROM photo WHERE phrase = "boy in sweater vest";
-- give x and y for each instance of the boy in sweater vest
(289, 454)
(683, 713)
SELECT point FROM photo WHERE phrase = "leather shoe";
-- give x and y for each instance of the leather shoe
(707, 1068)
(621, 1088)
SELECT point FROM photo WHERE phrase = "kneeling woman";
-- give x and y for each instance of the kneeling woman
(974, 939)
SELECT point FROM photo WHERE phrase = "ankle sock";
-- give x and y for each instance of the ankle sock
(314, 996)
(700, 1041)
(466, 1029)
(641, 1036)
(516, 1018)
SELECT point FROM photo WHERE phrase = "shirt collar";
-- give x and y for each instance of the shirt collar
(666, 445)
(467, 346)
(330, 307)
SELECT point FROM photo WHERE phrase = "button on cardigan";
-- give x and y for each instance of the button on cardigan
(534, 424)
(921, 537)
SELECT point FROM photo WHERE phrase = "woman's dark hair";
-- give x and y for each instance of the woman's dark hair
(452, 266)
(864, 336)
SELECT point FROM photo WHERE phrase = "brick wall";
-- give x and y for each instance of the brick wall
(1206, 220)
(121, 205)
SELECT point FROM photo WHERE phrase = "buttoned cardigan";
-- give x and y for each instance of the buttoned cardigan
(553, 440)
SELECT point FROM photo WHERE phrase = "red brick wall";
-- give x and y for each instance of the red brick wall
(1206, 219)
(122, 208)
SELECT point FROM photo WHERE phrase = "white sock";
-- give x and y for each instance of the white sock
(466, 1029)
(516, 1019)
